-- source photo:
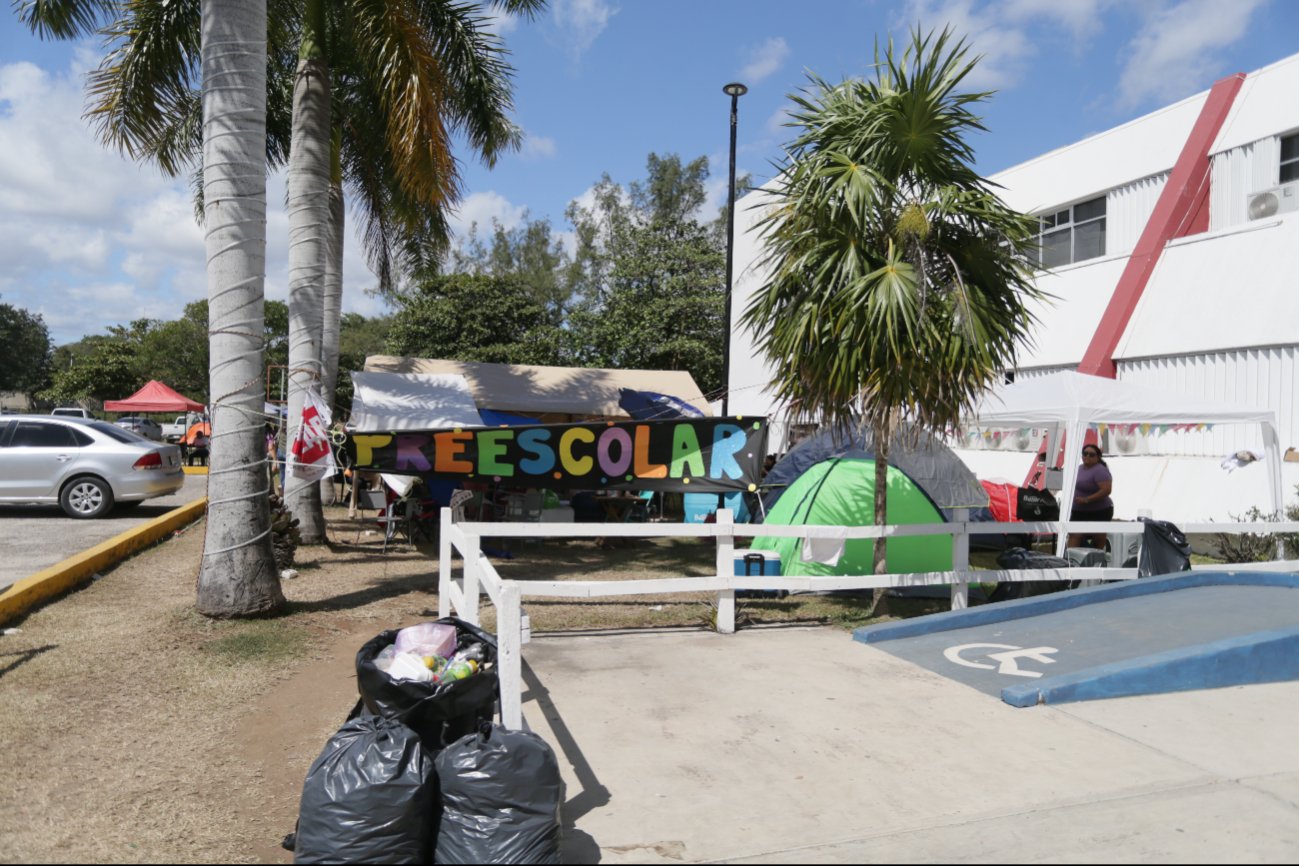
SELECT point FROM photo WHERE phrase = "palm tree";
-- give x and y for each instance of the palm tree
(237, 575)
(899, 282)
(401, 76)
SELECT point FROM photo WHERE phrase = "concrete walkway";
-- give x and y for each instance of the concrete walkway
(798, 746)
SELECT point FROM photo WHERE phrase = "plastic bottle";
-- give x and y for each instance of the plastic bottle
(459, 670)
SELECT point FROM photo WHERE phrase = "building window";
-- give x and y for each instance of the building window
(1290, 157)
(1074, 234)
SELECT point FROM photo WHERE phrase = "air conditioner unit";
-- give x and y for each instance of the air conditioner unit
(1270, 202)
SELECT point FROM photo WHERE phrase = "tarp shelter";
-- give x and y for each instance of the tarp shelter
(1067, 403)
(154, 397)
(552, 394)
(829, 480)
(650, 405)
(396, 401)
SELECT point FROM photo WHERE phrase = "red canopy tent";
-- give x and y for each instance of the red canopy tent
(154, 397)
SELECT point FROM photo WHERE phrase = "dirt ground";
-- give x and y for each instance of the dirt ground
(134, 730)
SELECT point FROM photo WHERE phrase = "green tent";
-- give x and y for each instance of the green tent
(840, 491)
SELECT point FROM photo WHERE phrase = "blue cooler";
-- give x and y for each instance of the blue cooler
(764, 562)
(699, 505)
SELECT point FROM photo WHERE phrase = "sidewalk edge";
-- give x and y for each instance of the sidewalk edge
(30, 591)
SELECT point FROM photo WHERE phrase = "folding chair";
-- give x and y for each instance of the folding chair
(394, 516)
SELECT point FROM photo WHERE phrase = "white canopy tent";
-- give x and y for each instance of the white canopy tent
(412, 401)
(1066, 403)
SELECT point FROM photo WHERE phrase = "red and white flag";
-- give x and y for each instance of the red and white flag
(310, 456)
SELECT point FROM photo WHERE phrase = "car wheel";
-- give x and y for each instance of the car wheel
(86, 497)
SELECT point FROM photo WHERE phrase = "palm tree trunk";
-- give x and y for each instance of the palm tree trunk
(237, 575)
(882, 439)
(333, 310)
(308, 212)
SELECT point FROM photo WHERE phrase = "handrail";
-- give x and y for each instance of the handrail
(479, 575)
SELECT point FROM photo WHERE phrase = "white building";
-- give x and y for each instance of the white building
(1173, 247)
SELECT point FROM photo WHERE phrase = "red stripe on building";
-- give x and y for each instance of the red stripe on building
(1182, 209)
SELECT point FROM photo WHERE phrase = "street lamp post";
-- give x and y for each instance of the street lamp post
(734, 90)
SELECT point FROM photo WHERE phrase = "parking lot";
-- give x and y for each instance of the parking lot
(34, 538)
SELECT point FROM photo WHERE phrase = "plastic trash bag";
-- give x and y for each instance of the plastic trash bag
(427, 639)
(440, 712)
(371, 797)
(1015, 558)
(501, 795)
(1164, 549)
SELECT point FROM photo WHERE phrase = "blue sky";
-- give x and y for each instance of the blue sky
(91, 240)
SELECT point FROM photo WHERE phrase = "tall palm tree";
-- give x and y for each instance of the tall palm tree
(899, 282)
(237, 576)
(228, 38)
(402, 75)
(309, 216)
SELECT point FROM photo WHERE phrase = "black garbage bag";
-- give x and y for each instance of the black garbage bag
(1164, 549)
(1036, 506)
(371, 797)
(1015, 558)
(501, 794)
(440, 713)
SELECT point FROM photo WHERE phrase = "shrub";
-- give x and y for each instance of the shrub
(1256, 547)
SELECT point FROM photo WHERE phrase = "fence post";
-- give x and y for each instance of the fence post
(473, 549)
(961, 558)
(725, 568)
(444, 564)
(509, 655)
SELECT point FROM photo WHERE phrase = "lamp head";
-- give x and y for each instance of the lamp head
(735, 88)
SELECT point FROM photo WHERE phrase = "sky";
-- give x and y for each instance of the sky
(91, 240)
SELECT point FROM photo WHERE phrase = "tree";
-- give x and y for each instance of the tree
(648, 276)
(474, 318)
(900, 284)
(99, 368)
(528, 253)
(662, 306)
(25, 350)
(237, 575)
(176, 352)
(391, 81)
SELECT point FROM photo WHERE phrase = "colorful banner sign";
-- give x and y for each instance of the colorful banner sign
(695, 455)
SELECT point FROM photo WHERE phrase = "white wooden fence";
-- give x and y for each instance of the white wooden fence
(478, 575)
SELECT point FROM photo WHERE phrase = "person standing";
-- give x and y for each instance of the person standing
(1091, 497)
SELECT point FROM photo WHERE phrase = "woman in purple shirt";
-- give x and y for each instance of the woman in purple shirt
(1091, 497)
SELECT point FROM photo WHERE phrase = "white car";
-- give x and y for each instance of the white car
(83, 466)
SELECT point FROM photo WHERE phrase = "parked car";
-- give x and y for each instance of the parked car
(72, 412)
(176, 430)
(146, 427)
(84, 466)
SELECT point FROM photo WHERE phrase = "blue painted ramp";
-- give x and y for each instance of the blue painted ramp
(1189, 631)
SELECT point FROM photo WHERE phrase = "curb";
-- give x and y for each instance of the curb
(30, 591)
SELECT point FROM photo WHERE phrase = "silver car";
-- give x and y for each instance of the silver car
(85, 466)
(146, 427)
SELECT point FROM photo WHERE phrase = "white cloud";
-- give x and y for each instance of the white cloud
(775, 124)
(1004, 46)
(538, 147)
(500, 21)
(764, 60)
(482, 208)
(93, 240)
(1006, 33)
(581, 22)
(1176, 50)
